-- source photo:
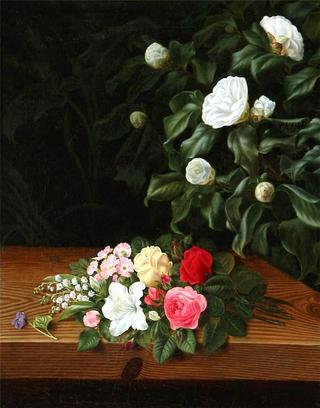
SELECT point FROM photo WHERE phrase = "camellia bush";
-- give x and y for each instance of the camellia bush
(238, 107)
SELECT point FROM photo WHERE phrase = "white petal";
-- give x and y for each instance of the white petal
(139, 320)
(116, 289)
(136, 290)
(118, 327)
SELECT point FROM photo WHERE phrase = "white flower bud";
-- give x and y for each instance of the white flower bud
(154, 316)
(284, 37)
(79, 298)
(138, 119)
(74, 281)
(72, 294)
(58, 278)
(84, 279)
(91, 293)
(264, 192)
(157, 56)
(262, 108)
(66, 298)
(64, 305)
(59, 286)
(57, 309)
(78, 287)
(85, 298)
(66, 283)
(200, 172)
(59, 299)
(85, 286)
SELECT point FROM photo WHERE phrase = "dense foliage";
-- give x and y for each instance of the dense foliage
(88, 100)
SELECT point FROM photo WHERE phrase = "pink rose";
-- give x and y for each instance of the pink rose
(91, 318)
(183, 307)
(154, 297)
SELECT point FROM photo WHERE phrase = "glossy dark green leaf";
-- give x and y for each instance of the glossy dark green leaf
(234, 325)
(186, 341)
(201, 142)
(301, 84)
(89, 339)
(77, 307)
(242, 142)
(164, 348)
(215, 307)
(214, 336)
(247, 227)
(224, 262)
(175, 124)
(260, 244)
(181, 54)
(165, 187)
(213, 212)
(137, 243)
(241, 60)
(204, 71)
(246, 280)
(311, 131)
(306, 205)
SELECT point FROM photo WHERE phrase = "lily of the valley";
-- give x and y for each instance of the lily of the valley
(123, 308)
(227, 104)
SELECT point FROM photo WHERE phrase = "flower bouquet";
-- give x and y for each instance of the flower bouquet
(157, 296)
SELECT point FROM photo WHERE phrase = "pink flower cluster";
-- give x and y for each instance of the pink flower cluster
(113, 262)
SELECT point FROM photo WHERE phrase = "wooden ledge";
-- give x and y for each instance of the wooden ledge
(290, 352)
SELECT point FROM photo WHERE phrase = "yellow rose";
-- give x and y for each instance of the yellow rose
(150, 264)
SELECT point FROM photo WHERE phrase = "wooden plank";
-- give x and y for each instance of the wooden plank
(290, 352)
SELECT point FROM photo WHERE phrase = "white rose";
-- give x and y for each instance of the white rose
(157, 56)
(150, 264)
(227, 104)
(264, 192)
(200, 172)
(284, 37)
(138, 119)
(262, 108)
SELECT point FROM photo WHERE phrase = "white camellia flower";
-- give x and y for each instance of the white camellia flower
(227, 104)
(138, 119)
(123, 308)
(264, 192)
(262, 108)
(284, 37)
(157, 56)
(200, 172)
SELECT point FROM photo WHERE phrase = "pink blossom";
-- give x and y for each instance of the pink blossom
(154, 297)
(122, 249)
(98, 277)
(103, 253)
(183, 307)
(165, 279)
(125, 267)
(91, 318)
(92, 267)
(109, 266)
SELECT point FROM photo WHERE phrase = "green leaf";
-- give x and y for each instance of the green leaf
(263, 64)
(215, 306)
(177, 123)
(224, 263)
(257, 36)
(164, 348)
(137, 244)
(104, 329)
(285, 143)
(204, 71)
(260, 243)
(174, 83)
(201, 141)
(311, 26)
(94, 284)
(301, 84)
(220, 23)
(89, 339)
(214, 336)
(247, 226)
(220, 286)
(243, 310)
(76, 308)
(186, 341)
(314, 61)
(242, 142)
(310, 159)
(41, 324)
(165, 187)
(181, 54)
(234, 325)
(311, 131)
(306, 205)
(180, 209)
(246, 280)
(301, 241)
(213, 211)
(241, 60)
(79, 267)
(164, 242)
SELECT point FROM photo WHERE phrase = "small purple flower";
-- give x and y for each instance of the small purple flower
(20, 320)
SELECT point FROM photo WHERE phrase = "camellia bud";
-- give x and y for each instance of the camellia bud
(262, 108)
(138, 119)
(264, 192)
(154, 316)
(157, 56)
(200, 172)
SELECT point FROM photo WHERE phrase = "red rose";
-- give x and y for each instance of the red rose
(196, 265)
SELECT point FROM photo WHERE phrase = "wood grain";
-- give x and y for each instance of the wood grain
(290, 352)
